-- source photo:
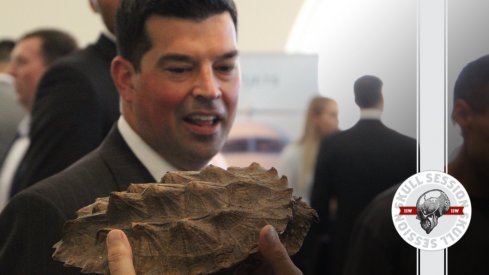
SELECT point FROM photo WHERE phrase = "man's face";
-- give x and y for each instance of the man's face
(185, 95)
(27, 68)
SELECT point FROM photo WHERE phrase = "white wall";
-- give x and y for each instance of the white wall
(74, 16)
(264, 25)
(358, 37)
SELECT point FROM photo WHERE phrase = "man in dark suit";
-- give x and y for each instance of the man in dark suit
(31, 57)
(354, 166)
(178, 76)
(75, 107)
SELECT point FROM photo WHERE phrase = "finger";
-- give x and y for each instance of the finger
(119, 253)
(275, 253)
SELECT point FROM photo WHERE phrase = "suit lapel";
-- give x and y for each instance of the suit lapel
(121, 161)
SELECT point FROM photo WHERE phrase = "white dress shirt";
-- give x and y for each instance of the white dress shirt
(12, 160)
(370, 113)
(156, 165)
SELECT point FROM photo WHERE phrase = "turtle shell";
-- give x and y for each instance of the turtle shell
(191, 223)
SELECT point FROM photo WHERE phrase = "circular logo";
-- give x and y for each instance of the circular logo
(431, 210)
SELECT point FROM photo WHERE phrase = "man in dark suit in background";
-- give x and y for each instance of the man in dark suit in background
(354, 166)
(33, 54)
(178, 76)
(75, 107)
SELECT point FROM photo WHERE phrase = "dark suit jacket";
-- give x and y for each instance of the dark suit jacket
(75, 107)
(33, 220)
(374, 234)
(354, 166)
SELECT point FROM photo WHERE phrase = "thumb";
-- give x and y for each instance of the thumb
(275, 253)
(119, 253)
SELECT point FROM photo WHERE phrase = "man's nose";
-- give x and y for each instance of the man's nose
(207, 85)
(12, 70)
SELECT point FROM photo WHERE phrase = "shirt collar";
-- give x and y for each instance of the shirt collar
(370, 113)
(6, 78)
(156, 165)
(24, 126)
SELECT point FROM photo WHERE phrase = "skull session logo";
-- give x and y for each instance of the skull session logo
(428, 210)
(431, 210)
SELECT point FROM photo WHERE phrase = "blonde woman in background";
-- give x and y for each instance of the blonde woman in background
(298, 159)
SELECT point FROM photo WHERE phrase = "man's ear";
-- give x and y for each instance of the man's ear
(123, 75)
(462, 113)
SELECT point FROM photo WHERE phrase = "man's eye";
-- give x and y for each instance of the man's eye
(178, 70)
(19, 61)
(225, 68)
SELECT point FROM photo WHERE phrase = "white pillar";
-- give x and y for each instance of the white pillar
(432, 106)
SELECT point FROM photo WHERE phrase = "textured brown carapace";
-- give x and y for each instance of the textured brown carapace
(191, 223)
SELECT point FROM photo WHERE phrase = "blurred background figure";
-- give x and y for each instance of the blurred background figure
(6, 47)
(10, 111)
(31, 57)
(298, 160)
(353, 167)
(75, 107)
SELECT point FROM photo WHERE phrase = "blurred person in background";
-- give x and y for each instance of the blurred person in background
(10, 111)
(75, 107)
(31, 57)
(6, 47)
(353, 166)
(298, 159)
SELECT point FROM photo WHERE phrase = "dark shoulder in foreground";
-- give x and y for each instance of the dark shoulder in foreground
(33, 220)
(374, 234)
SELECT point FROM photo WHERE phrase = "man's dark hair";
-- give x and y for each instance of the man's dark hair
(55, 43)
(368, 91)
(6, 47)
(472, 85)
(132, 38)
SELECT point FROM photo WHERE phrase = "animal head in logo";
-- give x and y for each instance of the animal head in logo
(430, 206)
